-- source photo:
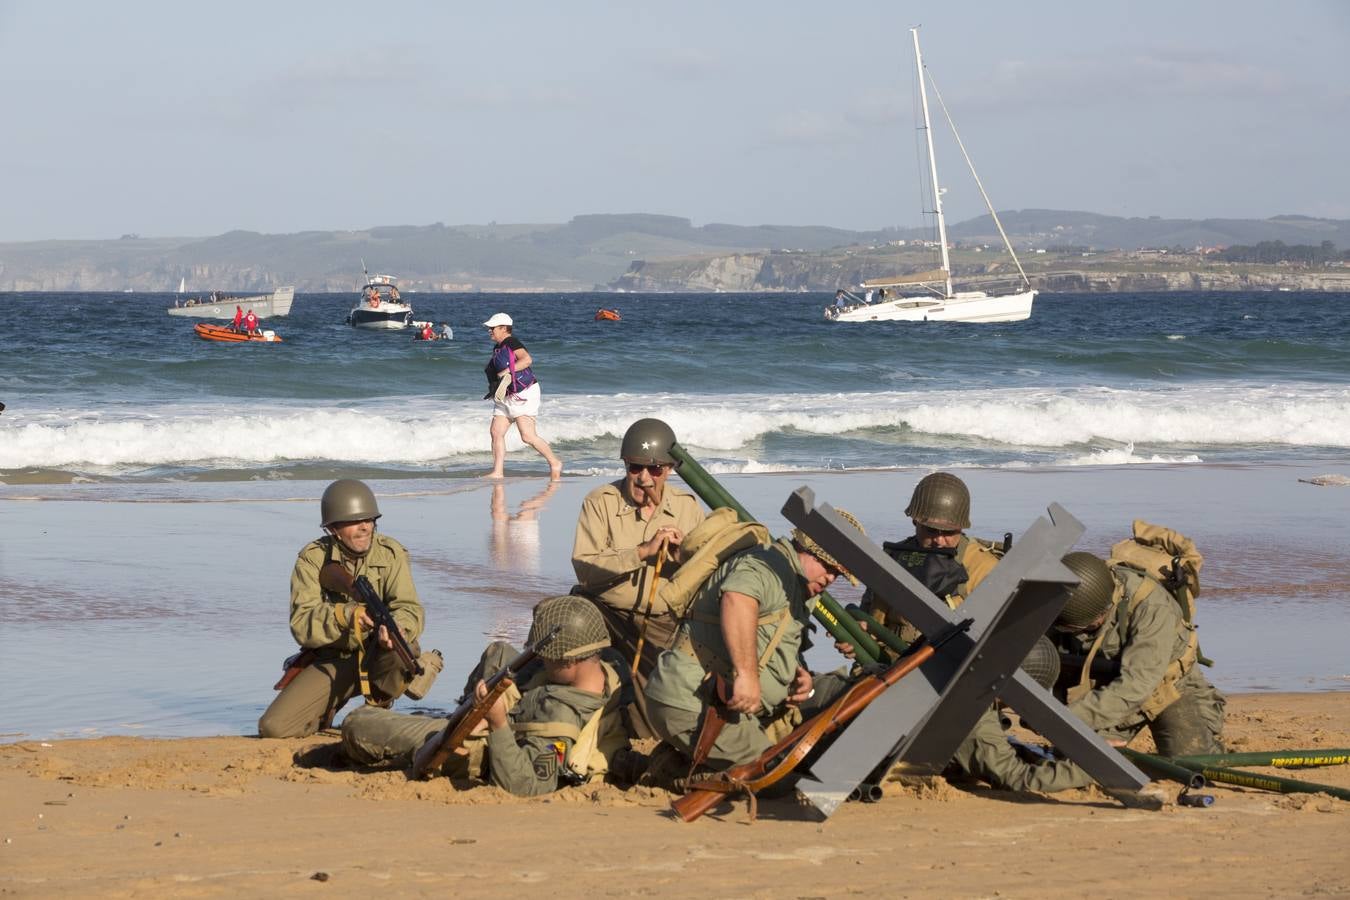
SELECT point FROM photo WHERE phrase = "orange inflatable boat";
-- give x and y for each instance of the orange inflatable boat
(230, 336)
(607, 315)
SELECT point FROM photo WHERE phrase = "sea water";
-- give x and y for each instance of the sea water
(107, 387)
(156, 487)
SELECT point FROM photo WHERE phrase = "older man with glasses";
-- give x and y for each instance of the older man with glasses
(627, 531)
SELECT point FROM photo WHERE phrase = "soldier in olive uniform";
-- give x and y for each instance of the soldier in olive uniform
(531, 747)
(336, 629)
(1121, 616)
(620, 533)
(740, 650)
(939, 554)
(986, 754)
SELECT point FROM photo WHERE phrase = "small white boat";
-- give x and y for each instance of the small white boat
(381, 306)
(937, 301)
(220, 305)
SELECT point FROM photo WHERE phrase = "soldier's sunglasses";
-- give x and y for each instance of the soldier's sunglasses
(655, 470)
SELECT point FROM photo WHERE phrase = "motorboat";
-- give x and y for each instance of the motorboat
(929, 296)
(227, 335)
(380, 306)
(220, 305)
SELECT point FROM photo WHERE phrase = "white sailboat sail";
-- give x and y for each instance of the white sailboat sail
(182, 284)
(950, 305)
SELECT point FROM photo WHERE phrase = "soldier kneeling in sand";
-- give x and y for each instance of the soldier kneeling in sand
(564, 726)
(339, 657)
(1119, 615)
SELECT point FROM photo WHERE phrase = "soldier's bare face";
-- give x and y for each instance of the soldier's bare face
(937, 538)
(355, 536)
(645, 483)
(818, 575)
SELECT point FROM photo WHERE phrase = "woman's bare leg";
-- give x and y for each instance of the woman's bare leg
(531, 437)
(500, 426)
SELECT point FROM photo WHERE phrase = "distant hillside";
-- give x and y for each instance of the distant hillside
(589, 250)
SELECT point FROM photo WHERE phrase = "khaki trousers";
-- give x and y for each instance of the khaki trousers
(316, 695)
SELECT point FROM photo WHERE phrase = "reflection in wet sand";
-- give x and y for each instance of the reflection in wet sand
(513, 549)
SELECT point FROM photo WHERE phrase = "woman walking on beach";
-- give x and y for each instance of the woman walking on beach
(515, 396)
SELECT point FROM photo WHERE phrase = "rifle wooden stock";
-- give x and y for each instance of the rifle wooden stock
(333, 577)
(433, 754)
(780, 759)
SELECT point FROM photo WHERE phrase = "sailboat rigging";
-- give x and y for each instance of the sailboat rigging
(949, 305)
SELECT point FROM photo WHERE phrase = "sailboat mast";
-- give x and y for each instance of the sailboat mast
(932, 166)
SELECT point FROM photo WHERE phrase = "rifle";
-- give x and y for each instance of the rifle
(779, 760)
(433, 754)
(333, 577)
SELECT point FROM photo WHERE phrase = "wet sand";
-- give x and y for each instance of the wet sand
(161, 610)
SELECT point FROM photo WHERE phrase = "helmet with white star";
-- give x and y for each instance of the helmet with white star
(648, 441)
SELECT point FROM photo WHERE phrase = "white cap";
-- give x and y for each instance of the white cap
(498, 319)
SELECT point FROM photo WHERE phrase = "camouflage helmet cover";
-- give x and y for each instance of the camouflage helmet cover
(1042, 663)
(1094, 593)
(583, 628)
(940, 500)
(347, 500)
(648, 441)
(805, 542)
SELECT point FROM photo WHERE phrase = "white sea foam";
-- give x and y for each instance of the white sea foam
(422, 431)
(1123, 456)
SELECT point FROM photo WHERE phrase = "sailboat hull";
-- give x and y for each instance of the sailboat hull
(964, 306)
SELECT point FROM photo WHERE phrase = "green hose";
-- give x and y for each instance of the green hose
(892, 640)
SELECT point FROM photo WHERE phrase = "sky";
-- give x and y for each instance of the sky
(174, 119)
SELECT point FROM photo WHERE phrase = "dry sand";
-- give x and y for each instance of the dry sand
(122, 817)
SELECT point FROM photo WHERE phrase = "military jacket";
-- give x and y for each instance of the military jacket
(321, 619)
(773, 576)
(609, 530)
(1153, 635)
(526, 762)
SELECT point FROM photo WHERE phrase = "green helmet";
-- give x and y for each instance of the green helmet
(1093, 595)
(347, 500)
(583, 628)
(1042, 663)
(940, 500)
(648, 441)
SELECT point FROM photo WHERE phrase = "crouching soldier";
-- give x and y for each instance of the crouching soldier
(737, 665)
(562, 727)
(1137, 655)
(939, 553)
(340, 657)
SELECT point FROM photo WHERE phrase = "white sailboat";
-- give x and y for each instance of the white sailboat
(182, 284)
(938, 302)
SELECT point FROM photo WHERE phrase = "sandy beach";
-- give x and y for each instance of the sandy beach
(124, 817)
(176, 597)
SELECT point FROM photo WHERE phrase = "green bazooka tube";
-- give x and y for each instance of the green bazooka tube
(1220, 775)
(1279, 759)
(827, 610)
(875, 628)
(1162, 767)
